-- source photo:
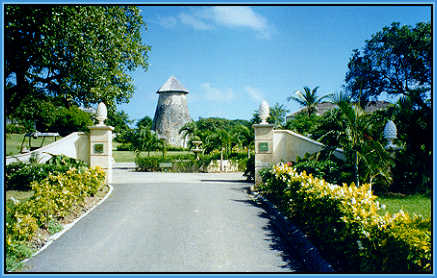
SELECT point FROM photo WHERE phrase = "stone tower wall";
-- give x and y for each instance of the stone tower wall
(170, 116)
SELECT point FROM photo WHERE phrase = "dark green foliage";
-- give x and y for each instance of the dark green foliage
(249, 172)
(142, 139)
(180, 163)
(219, 134)
(395, 60)
(124, 147)
(331, 169)
(303, 124)
(70, 55)
(15, 128)
(145, 122)
(176, 149)
(119, 120)
(185, 162)
(19, 175)
(413, 163)
(68, 120)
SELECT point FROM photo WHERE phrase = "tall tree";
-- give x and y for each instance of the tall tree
(71, 54)
(119, 120)
(396, 60)
(145, 122)
(309, 99)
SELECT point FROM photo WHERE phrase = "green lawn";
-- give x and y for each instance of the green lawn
(13, 142)
(413, 204)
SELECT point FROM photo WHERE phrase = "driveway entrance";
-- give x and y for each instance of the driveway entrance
(171, 222)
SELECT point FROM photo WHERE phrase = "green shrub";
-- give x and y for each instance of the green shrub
(332, 170)
(53, 199)
(19, 175)
(54, 226)
(343, 222)
(68, 120)
(124, 147)
(249, 172)
(184, 162)
(176, 149)
(179, 163)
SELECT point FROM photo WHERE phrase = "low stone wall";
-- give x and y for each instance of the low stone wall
(75, 145)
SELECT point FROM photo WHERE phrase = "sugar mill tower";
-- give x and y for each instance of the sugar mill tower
(171, 112)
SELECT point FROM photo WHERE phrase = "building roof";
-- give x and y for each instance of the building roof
(323, 107)
(172, 85)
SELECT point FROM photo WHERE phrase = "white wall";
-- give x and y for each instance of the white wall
(75, 145)
(287, 145)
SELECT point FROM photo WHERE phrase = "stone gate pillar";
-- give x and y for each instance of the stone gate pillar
(263, 142)
(263, 148)
(101, 143)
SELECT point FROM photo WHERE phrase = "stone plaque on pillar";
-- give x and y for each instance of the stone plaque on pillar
(263, 147)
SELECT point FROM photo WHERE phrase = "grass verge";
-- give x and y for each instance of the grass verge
(413, 204)
(13, 142)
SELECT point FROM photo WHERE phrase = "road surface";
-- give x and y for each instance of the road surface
(171, 222)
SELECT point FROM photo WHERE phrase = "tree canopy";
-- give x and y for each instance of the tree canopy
(396, 61)
(71, 55)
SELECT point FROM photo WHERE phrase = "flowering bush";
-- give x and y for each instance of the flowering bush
(344, 223)
(54, 197)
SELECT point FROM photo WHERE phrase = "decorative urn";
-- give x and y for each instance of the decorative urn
(101, 113)
(390, 134)
(264, 111)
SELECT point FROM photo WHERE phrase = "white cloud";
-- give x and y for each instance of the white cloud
(228, 16)
(254, 93)
(167, 21)
(232, 16)
(215, 94)
(194, 22)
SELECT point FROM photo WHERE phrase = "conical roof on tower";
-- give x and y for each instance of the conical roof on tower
(172, 85)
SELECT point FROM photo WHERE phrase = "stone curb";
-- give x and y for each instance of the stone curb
(296, 239)
(67, 227)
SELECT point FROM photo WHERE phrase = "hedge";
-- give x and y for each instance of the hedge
(19, 175)
(54, 198)
(343, 222)
(184, 162)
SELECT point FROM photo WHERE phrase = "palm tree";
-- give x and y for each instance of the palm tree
(277, 115)
(244, 136)
(350, 131)
(309, 99)
(189, 130)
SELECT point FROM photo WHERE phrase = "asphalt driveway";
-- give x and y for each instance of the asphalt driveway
(171, 222)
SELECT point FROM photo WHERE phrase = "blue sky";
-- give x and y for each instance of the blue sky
(230, 58)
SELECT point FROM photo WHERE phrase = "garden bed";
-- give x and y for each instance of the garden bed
(42, 199)
(345, 223)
